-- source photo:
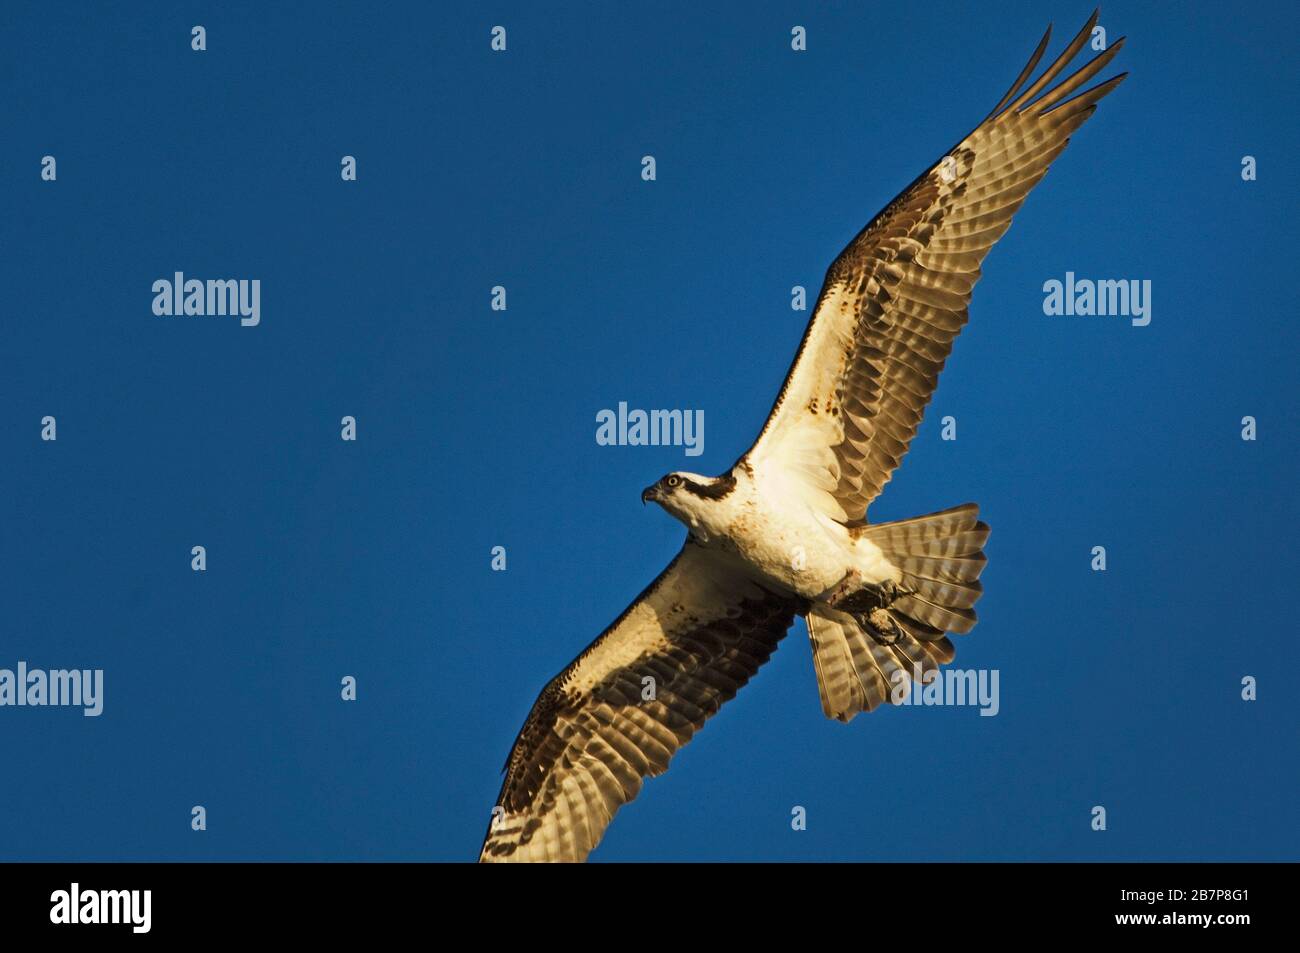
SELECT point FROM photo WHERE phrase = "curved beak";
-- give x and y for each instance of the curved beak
(650, 493)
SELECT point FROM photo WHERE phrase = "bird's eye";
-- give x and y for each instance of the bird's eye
(673, 481)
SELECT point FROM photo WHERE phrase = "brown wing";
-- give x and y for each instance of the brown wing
(625, 706)
(896, 297)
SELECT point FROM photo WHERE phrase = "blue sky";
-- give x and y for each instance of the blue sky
(477, 428)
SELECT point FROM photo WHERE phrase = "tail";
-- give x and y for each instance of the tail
(940, 559)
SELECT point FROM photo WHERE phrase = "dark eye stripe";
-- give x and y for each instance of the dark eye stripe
(714, 491)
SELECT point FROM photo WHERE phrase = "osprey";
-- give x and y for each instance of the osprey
(784, 532)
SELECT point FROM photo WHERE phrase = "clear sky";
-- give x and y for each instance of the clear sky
(476, 428)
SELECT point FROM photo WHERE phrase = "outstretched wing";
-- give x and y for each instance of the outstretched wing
(623, 708)
(896, 297)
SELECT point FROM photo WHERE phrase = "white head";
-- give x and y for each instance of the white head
(693, 499)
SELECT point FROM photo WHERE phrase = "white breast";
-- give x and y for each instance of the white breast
(784, 540)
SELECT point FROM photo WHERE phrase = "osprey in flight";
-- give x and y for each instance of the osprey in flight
(784, 532)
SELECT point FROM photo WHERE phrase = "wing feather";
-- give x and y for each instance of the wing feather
(896, 298)
(701, 631)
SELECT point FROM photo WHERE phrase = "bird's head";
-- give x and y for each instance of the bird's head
(689, 497)
(664, 490)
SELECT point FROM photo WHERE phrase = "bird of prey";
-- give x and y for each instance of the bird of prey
(784, 532)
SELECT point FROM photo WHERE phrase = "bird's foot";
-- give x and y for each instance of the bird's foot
(889, 591)
(854, 596)
(881, 626)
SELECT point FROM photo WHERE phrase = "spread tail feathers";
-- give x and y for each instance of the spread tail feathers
(940, 559)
